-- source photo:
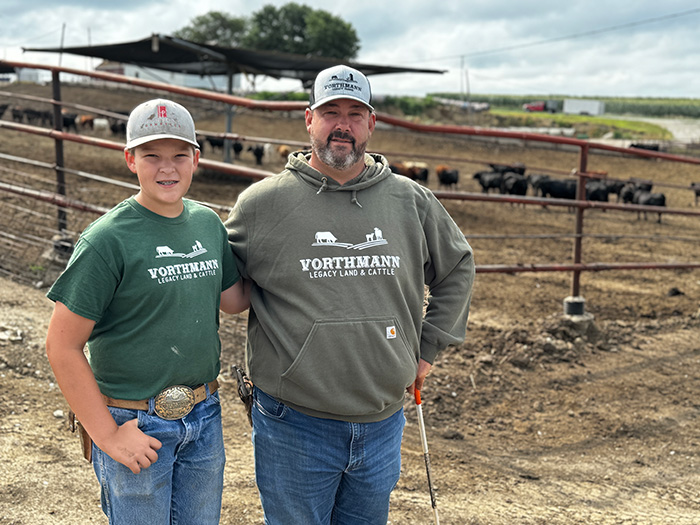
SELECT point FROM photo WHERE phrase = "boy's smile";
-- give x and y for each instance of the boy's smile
(164, 168)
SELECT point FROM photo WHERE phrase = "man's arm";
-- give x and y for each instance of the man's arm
(65, 340)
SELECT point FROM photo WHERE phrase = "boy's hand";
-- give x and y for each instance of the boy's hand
(131, 447)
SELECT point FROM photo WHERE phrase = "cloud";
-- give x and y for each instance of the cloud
(591, 47)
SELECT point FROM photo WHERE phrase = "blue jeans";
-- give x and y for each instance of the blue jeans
(314, 471)
(186, 483)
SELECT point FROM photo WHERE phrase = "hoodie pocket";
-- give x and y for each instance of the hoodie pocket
(351, 367)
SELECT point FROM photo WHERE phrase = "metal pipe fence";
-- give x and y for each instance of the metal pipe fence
(64, 206)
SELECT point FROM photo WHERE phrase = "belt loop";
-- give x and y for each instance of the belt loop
(151, 406)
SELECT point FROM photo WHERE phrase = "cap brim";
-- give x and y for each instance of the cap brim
(326, 100)
(150, 138)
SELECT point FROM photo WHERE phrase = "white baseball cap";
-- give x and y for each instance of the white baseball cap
(340, 82)
(159, 119)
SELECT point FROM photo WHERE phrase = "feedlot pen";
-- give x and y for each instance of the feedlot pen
(66, 180)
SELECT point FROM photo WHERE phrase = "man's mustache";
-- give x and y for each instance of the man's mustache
(340, 135)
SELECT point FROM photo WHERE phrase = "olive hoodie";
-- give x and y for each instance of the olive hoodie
(339, 315)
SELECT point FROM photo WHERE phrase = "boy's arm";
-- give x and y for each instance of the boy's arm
(236, 298)
(65, 340)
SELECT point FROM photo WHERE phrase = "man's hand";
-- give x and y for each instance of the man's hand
(131, 447)
(423, 370)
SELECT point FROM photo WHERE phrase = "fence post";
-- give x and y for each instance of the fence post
(574, 305)
(230, 111)
(58, 126)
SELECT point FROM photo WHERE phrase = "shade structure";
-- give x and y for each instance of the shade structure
(174, 54)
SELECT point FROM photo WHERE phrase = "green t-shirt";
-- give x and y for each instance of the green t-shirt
(152, 285)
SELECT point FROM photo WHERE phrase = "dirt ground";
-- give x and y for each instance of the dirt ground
(538, 418)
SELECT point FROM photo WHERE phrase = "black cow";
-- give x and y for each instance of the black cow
(649, 147)
(32, 116)
(447, 177)
(489, 180)
(216, 142)
(517, 167)
(597, 190)
(17, 113)
(534, 180)
(614, 187)
(558, 189)
(695, 186)
(514, 183)
(118, 128)
(646, 198)
(258, 151)
(237, 148)
(628, 191)
(70, 122)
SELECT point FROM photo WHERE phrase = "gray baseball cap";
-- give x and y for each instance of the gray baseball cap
(340, 82)
(159, 119)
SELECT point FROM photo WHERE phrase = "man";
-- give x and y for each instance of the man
(339, 250)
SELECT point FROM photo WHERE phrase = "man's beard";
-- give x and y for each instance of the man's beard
(337, 159)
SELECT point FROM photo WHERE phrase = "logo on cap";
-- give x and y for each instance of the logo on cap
(343, 84)
(162, 111)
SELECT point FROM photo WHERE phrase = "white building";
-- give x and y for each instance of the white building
(211, 82)
(28, 75)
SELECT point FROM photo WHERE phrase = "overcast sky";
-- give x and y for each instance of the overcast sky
(581, 47)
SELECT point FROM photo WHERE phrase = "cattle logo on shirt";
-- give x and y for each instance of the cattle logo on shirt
(349, 265)
(185, 270)
(166, 251)
(375, 238)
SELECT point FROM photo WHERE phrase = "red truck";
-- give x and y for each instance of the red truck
(550, 106)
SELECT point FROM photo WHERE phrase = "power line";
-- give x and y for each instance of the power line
(575, 35)
(33, 39)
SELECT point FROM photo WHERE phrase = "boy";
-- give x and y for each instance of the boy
(143, 289)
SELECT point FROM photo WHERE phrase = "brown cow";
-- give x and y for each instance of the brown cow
(417, 171)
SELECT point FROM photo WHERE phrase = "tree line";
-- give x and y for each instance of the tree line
(291, 28)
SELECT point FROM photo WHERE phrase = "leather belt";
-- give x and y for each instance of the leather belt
(174, 402)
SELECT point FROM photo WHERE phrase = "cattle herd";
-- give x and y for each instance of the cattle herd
(70, 122)
(512, 180)
(418, 171)
(263, 153)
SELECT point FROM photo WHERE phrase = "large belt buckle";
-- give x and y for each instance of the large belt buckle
(174, 402)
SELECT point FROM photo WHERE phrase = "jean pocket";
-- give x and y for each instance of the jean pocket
(268, 405)
(122, 415)
(214, 399)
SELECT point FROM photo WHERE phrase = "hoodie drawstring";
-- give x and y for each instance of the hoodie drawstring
(324, 187)
(354, 198)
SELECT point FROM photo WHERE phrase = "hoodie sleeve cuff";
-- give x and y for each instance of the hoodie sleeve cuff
(428, 352)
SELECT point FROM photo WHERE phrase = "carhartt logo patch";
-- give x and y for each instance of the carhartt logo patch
(391, 332)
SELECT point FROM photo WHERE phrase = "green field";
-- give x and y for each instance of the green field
(645, 107)
(596, 126)
(506, 111)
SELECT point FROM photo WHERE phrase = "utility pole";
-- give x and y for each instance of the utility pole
(63, 34)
